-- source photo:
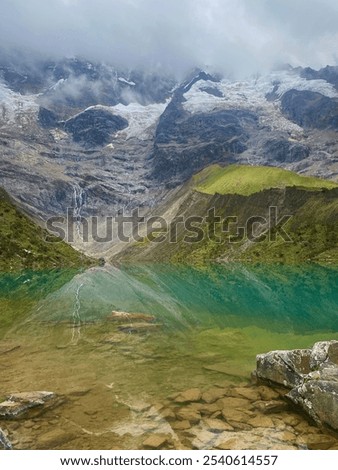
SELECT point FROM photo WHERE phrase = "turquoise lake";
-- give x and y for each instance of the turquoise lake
(209, 324)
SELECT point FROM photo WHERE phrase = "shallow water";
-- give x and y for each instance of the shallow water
(209, 325)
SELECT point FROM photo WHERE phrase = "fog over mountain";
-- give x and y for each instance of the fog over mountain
(232, 36)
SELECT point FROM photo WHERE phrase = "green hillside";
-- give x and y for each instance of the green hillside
(246, 180)
(24, 245)
(310, 205)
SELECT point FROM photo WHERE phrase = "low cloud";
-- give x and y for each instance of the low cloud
(231, 36)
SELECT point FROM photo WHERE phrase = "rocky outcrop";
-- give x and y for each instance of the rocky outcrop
(94, 126)
(312, 376)
(19, 404)
(328, 73)
(186, 143)
(4, 441)
(47, 119)
(284, 151)
(310, 109)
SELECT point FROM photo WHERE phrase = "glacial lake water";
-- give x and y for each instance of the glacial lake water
(209, 323)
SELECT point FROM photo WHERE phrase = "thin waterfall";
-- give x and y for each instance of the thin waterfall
(79, 202)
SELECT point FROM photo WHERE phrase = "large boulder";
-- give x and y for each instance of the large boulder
(312, 376)
(286, 368)
(318, 396)
(19, 404)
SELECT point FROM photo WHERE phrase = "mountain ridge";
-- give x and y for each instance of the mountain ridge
(150, 133)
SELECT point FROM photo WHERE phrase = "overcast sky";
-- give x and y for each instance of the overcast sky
(239, 36)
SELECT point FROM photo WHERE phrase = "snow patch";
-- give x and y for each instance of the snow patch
(58, 84)
(126, 82)
(140, 118)
(14, 106)
(251, 95)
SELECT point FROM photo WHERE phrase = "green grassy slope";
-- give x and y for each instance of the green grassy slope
(313, 226)
(23, 244)
(246, 180)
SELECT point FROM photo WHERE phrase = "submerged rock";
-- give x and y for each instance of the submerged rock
(155, 442)
(191, 395)
(17, 404)
(217, 426)
(55, 438)
(312, 376)
(7, 347)
(139, 327)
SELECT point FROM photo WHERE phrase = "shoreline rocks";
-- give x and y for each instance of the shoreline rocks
(246, 416)
(310, 374)
(4, 441)
(17, 405)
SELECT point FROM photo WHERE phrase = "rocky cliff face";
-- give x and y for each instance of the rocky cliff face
(310, 109)
(122, 138)
(94, 126)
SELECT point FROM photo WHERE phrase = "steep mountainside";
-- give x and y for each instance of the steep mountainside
(251, 218)
(101, 139)
(24, 245)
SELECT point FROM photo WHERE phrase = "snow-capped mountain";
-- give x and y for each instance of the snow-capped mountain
(121, 138)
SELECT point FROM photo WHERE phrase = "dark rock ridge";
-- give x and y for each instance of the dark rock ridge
(188, 144)
(310, 109)
(47, 119)
(94, 126)
(328, 73)
(185, 143)
(312, 376)
(285, 151)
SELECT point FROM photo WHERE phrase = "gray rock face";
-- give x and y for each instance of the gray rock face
(286, 368)
(185, 143)
(94, 126)
(312, 376)
(284, 151)
(318, 396)
(310, 109)
(47, 119)
(328, 73)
